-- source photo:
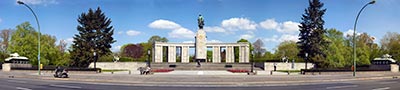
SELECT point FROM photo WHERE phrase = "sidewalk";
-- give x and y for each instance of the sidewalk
(201, 72)
(204, 78)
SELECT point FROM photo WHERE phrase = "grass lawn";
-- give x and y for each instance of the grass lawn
(291, 71)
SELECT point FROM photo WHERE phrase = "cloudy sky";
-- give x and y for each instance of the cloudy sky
(135, 21)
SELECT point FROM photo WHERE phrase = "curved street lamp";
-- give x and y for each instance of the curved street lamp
(37, 21)
(354, 36)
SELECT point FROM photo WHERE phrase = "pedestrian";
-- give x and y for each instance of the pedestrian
(198, 63)
(141, 70)
(274, 66)
(147, 70)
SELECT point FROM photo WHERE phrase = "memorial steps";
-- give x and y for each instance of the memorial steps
(204, 66)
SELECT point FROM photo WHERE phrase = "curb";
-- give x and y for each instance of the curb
(208, 84)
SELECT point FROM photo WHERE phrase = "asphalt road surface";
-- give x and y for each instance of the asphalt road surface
(35, 84)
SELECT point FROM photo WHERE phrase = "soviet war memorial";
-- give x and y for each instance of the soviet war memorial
(199, 45)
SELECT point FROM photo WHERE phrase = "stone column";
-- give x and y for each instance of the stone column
(158, 54)
(246, 54)
(230, 55)
(171, 54)
(216, 54)
(185, 54)
(241, 55)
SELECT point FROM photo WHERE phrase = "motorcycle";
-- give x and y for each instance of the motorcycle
(61, 73)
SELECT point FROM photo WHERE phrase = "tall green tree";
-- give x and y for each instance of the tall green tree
(95, 35)
(24, 42)
(312, 32)
(288, 49)
(337, 52)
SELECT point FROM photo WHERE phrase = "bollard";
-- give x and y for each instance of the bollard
(271, 72)
(112, 72)
(129, 72)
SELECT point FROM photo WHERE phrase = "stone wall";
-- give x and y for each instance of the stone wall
(286, 66)
(394, 68)
(118, 65)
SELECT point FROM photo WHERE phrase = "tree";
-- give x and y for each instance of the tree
(258, 47)
(5, 36)
(132, 50)
(24, 42)
(390, 44)
(95, 36)
(287, 49)
(312, 32)
(337, 52)
(156, 38)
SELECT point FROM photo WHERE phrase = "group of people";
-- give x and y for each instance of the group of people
(144, 70)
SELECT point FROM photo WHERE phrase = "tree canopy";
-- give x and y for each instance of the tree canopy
(95, 36)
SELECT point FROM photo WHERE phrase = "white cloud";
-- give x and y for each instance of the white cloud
(274, 38)
(177, 30)
(181, 33)
(247, 36)
(289, 27)
(350, 33)
(269, 24)
(132, 33)
(214, 41)
(164, 24)
(285, 37)
(69, 40)
(239, 23)
(188, 42)
(116, 48)
(38, 2)
(214, 29)
(285, 27)
(120, 32)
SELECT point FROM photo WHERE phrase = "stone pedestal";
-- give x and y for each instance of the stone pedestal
(201, 48)
(394, 68)
(6, 67)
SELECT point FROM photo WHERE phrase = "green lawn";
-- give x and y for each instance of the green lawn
(291, 71)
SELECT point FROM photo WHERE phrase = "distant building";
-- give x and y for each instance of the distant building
(17, 61)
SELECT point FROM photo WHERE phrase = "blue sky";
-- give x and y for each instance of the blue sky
(135, 21)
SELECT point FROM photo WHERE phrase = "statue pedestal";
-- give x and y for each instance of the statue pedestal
(201, 48)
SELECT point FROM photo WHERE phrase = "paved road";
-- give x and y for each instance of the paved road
(36, 84)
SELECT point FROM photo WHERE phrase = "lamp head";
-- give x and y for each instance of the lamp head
(20, 2)
(372, 2)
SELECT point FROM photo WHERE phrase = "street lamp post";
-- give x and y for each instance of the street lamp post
(95, 59)
(148, 57)
(37, 21)
(252, 63)
(354, 37)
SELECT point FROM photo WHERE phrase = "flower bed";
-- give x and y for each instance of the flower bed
(238, 70)
(161, 70)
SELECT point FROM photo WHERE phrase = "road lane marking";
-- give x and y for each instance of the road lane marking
(16, 81)
(346, 86)
(387, 82)
(385, 88)
(65, 86)
(21, 88)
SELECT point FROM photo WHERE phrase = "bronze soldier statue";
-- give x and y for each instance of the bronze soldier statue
(200, 21)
